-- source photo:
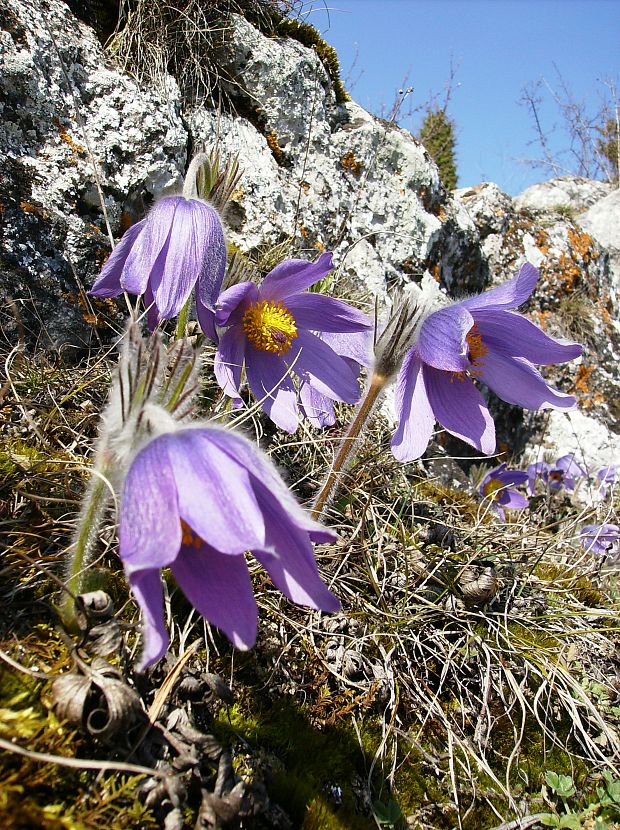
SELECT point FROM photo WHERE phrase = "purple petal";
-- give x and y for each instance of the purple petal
(149, 525)
(514, 335)
(317, 408)
(232, 304)
(513, 500)
(206, 320)
(215, 496)
(298, 581)
(460, 408)
(212, 249)
(152, 314)
(149, 250)
(229, 361)
(266, 474)
(570, 467)
(219, 587)
(147, 589)
(319, 313)
(511, 294)
(318, 364)
(271, 384)
(516, 381)
(293, 276)
(195, 252)
(416, 419)
(442, 342)
(355, 346)
(108, 283)
(289, 559)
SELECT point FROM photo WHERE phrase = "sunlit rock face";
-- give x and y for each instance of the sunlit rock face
(71, 124)
(570, 193)
(576, 298)
(85, 146)
(327, 174)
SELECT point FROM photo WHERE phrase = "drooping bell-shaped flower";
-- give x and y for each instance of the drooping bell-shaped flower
(195, 499)
(179, 246)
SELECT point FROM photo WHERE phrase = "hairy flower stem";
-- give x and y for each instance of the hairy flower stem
(84, 542)
(345, 453)
(182, 320)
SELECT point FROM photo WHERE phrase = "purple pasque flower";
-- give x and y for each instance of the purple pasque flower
(477, 339)
(195, 500)
(499, 485)
(606, 478)
(563, 474)
(178, 246)
(277, 329)
(602, 540)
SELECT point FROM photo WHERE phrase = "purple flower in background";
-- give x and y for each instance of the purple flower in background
(279, 328)
(499, 484)
(606, 478)
(179, 245)
(563, 474)
(476, 339)
(196, 500)
(602, 540)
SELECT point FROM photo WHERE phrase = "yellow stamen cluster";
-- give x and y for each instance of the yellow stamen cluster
(491, 487)
(189, 538)
(270, 326)
(477, 349)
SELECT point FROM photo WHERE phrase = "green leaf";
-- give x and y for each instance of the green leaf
(562, 785)
(570, 820)
(387, 813)
(550, 820)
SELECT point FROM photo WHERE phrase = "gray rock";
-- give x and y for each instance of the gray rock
(71, 124)
(602, 221)
(571, 193)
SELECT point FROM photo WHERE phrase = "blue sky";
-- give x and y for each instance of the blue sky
(496, 47)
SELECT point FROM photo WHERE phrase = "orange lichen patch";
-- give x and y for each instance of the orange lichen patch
(542, 241)
(319, 246)
(90, 306)
(568, 272)
(75, 148)
(582, 244)
(350, 163)
(581, 379)
(436, 272)
(303, 230)
(34, 210)
(274, 145)
(442, 214)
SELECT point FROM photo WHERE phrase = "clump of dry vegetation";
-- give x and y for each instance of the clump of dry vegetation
(471, 660)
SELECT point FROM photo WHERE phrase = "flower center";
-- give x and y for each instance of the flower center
(270, 326)
(477, 349)
(188, 537)
(491, 487)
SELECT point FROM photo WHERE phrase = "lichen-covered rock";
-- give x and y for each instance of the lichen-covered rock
(568, 194)
(75, 133)
(602, 221)
(328, 175)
